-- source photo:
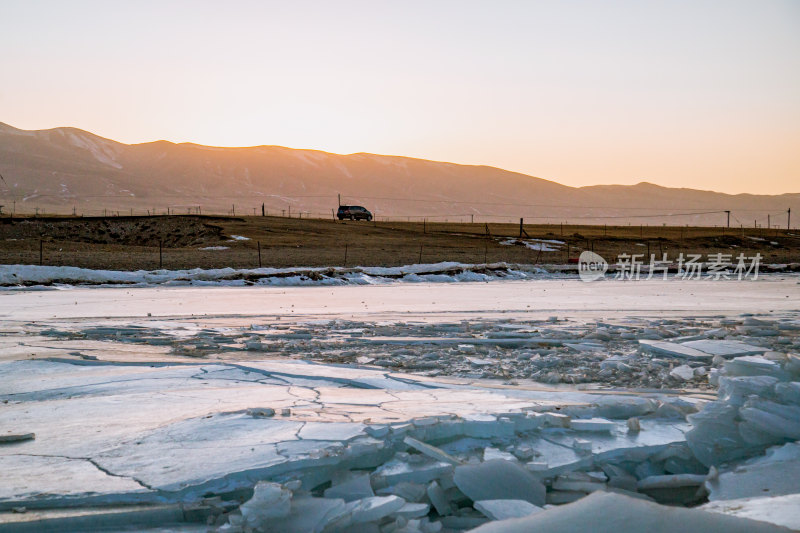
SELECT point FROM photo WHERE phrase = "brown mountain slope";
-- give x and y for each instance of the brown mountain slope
(57, 169)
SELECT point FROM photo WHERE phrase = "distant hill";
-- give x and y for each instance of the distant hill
(61, 168)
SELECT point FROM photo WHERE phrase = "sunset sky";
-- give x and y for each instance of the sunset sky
(701, 94)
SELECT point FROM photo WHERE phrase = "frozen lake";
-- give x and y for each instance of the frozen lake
(532, 298)
(408, 406)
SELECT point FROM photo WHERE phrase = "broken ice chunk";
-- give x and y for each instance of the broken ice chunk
(410, 492)
(413, 510)
(499, 480)
(714, 438)
(592, 424)
(585, 346)
(775, 474)
(683, 372)
(582, 445)
(355, 488)
(556, 420)
(503, 509)
(788, 392)
(494, 453)
(766, 417)
(779, 510)
(261, 412)
(619, 478)
(673, 349)
(606, 512)
(269, 501)
(751, 365)
(671, 481)
(537, 466)
(309, 515)
(374, 508)
(396, 471)
(431, 451)
(735, 390)
(16, 437)
(578, 481)
(725, 348)
(476, 361)
(439, 499)
(483, 426)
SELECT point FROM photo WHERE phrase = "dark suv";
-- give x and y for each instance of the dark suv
(353, 212)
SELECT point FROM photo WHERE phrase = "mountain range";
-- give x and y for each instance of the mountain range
(61, 169)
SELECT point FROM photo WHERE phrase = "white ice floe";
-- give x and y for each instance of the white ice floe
(497, 479)
(682, 372)
(613, 513)
(775, 474)
(779, 510)
(592, 424)
(673, 349)
(34, 275)
(725, 348)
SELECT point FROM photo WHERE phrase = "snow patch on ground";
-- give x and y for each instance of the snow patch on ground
(543, 245)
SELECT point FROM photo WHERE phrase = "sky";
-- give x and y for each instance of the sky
(701, 94)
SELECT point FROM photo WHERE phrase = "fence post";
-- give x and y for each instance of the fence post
(160, 256)
(420, 254)
(259, 253)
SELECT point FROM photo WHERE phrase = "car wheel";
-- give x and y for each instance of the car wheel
(369, 219)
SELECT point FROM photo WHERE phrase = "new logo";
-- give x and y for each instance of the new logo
(591, 266)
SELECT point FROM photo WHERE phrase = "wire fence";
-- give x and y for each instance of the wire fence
(375, 243)
(684, 217)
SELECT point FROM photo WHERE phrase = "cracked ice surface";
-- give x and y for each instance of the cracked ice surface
(392, 410)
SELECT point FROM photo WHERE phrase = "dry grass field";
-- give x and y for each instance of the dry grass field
(131, 243)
